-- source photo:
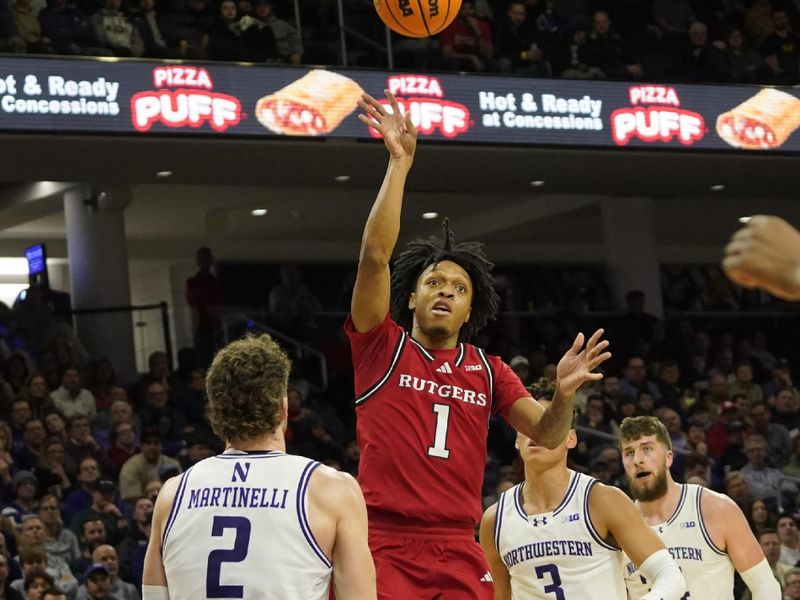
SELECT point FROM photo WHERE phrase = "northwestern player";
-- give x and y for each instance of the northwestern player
(706, 533)
(255, 522)
(424, 396)
(558, 534)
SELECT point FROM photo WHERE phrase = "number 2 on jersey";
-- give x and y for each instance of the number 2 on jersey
(439, 448)
(214, 589)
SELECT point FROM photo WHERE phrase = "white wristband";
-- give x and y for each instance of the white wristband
(761, 582)
(662, 570)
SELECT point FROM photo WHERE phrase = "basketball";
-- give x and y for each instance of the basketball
(417, 18)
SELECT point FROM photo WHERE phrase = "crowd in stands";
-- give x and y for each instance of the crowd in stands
(730, 41)
(84, 454)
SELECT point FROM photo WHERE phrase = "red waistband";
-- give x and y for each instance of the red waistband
(400, 526)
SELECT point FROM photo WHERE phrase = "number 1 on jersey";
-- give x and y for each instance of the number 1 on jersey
(439, 448)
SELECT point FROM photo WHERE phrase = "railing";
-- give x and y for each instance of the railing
(344, 31)
(234, 323)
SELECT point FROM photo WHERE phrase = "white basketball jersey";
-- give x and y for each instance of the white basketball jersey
(707, 569)
(239, 528)
(557, 555)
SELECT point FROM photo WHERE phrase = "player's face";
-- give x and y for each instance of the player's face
(538, 457)
(442, 300)
(646, 462)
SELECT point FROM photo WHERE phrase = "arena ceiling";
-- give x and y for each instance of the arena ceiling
(486, 191)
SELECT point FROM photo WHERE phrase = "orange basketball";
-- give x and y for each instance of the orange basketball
(417, 18)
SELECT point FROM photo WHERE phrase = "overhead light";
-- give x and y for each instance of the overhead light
(342, 178)
(258, 212)
(717, 187)
(537, 183)
(744, 219)
(430, 215)
(164, 174)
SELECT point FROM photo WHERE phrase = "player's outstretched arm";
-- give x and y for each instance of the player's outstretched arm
(154, 580)
(370, 301)
(765, 254)
(615, 516)
(550, 427)
(722, 514)
(353, 569)
(500, 575)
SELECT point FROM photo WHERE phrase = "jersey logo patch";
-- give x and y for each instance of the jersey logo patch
(445, 368)
(537, 521)
(473, 367)
(688, 525)
(487, 577)
(240, 472)
(571, 518)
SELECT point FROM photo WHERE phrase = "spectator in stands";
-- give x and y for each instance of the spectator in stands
(122, 412)
(760, 519)
(118, 589)
(736, 488)
(72, 399)
(743, 382)
(115, 30)
(29, 454)
(81, 444)
(91, 532)
(791, 581)
(157, 370)
(144, 467)
(522, 368)
(56, 425)
(81, 498)
(717, 390)
(20, 414)
(34, 584)
(15, 372)
(781, 49)
(52, 470)
(97, 580)
(697, 465)
(37, 394)
(103, 508)
(672, 421)
(771, 546)
(24, 487)
(781, 378)
(136, 536)
(7, 466)
(635, 380)
(6, 591)
(779, 449)
(32, 556)
(197, 449)
(124, 439)
(568, 59)
(758, 21)
(287, 39)
(669, 384)
(695, 52)
(158, 414)
(467, 42)
(101, 380)
(595, 418)
(57, 539)
(763, 481)
(149, 25)
(627, 408)
(735, 61)
(790, 539)
(206, 296)
(787, 409)
(516, 44)
(673, 17)
(240, 38)
(792, 469)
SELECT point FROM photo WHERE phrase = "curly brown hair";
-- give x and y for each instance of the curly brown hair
(246, 383)
(633, 428)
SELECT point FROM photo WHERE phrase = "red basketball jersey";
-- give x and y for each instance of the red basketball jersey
(422, 421)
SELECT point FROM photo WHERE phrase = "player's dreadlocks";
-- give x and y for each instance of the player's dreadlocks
(420, 254)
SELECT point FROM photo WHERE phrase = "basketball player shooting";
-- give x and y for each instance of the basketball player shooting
(255, 522)
(424, 396)
(705, 531)
(561, 534)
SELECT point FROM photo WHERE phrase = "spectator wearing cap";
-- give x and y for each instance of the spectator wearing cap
(743, 383)
(197, 448)
(717, 435)
(136, 538)
(781, 378)
(81, 498)
(522, 367)
(72, 399)
(779, 446)
(33, 560)
(92, 536)
(97, 582)
(32, 538)
(24, 486)
(764, 482)
(81, 444)
(790, 539)
(57, 539)
(119, 590)
(104, 508)
(144, 467)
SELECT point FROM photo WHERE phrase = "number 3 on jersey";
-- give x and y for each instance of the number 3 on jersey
(439, 448)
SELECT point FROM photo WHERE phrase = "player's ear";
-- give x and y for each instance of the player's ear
(670, 457)
(412, 301)
(572, 439)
